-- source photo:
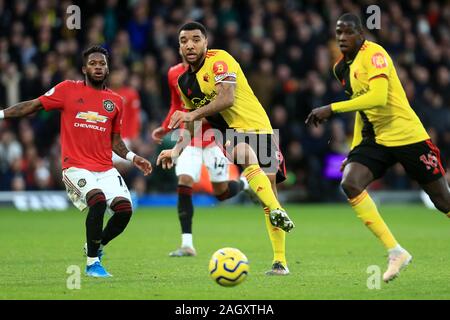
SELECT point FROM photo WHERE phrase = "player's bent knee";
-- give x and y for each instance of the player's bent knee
(96, 198)
(442, 204)
(185, 180)
(351, 188)
(219, 188)
(244, 155)
(121, 206)
(122, 212)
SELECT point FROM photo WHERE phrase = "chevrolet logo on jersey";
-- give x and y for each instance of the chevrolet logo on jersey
(92, 117)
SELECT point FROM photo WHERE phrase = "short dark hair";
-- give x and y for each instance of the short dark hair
(350, 17)
(94, 49)
(193, 25)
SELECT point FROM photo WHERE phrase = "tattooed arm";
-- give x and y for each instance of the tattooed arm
(121, 150)
(119, 146)
(224, 99)
(23, 108)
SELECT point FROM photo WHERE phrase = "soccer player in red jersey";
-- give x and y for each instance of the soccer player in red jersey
(202, 150)
(90, 131)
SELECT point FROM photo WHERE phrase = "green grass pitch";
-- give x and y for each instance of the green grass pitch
(328, 252)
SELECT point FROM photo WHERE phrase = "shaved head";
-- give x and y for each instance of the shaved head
(351, 18)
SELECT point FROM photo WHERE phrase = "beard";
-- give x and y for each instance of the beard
(96, 82)
(197, 61)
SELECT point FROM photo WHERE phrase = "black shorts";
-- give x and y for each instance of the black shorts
(421, 160)
(265, 146)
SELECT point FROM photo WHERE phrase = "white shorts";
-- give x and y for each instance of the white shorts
(190, 163)
(79, 182)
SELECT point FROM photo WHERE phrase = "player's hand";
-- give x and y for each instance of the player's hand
(143, 164)
(343, 164)
(178, 117)
(165, 158)
(158, 134)
(319, 115)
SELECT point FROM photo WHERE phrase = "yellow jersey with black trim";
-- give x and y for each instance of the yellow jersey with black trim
(198, 88)
(396, 123)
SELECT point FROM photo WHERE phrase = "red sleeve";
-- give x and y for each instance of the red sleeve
(175, 99)
(55, 97)
(117, 122)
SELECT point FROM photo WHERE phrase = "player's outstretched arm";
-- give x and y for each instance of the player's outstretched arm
(167, 157)
(223, 100)
(21, 109)
(121, 150)
(375, 97)
(318, 115)
(158, 134)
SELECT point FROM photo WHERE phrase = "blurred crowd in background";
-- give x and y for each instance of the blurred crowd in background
(286, 49)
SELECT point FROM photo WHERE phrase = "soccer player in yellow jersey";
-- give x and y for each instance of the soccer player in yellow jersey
(214, 87)
(387, 131)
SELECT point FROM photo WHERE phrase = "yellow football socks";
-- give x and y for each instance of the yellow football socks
(261, 185)
(277, 238)
(367, 211)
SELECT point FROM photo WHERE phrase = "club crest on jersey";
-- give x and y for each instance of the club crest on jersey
(206, 77)
(81, 183)
(108, 105)
(379, 60)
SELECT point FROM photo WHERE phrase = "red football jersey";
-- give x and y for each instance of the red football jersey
(131, 114)
(89, 117)
(176, 104)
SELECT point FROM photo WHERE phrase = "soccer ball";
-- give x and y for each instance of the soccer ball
(228, 267)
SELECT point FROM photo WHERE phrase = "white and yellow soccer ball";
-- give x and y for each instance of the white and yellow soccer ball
(228, 267)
